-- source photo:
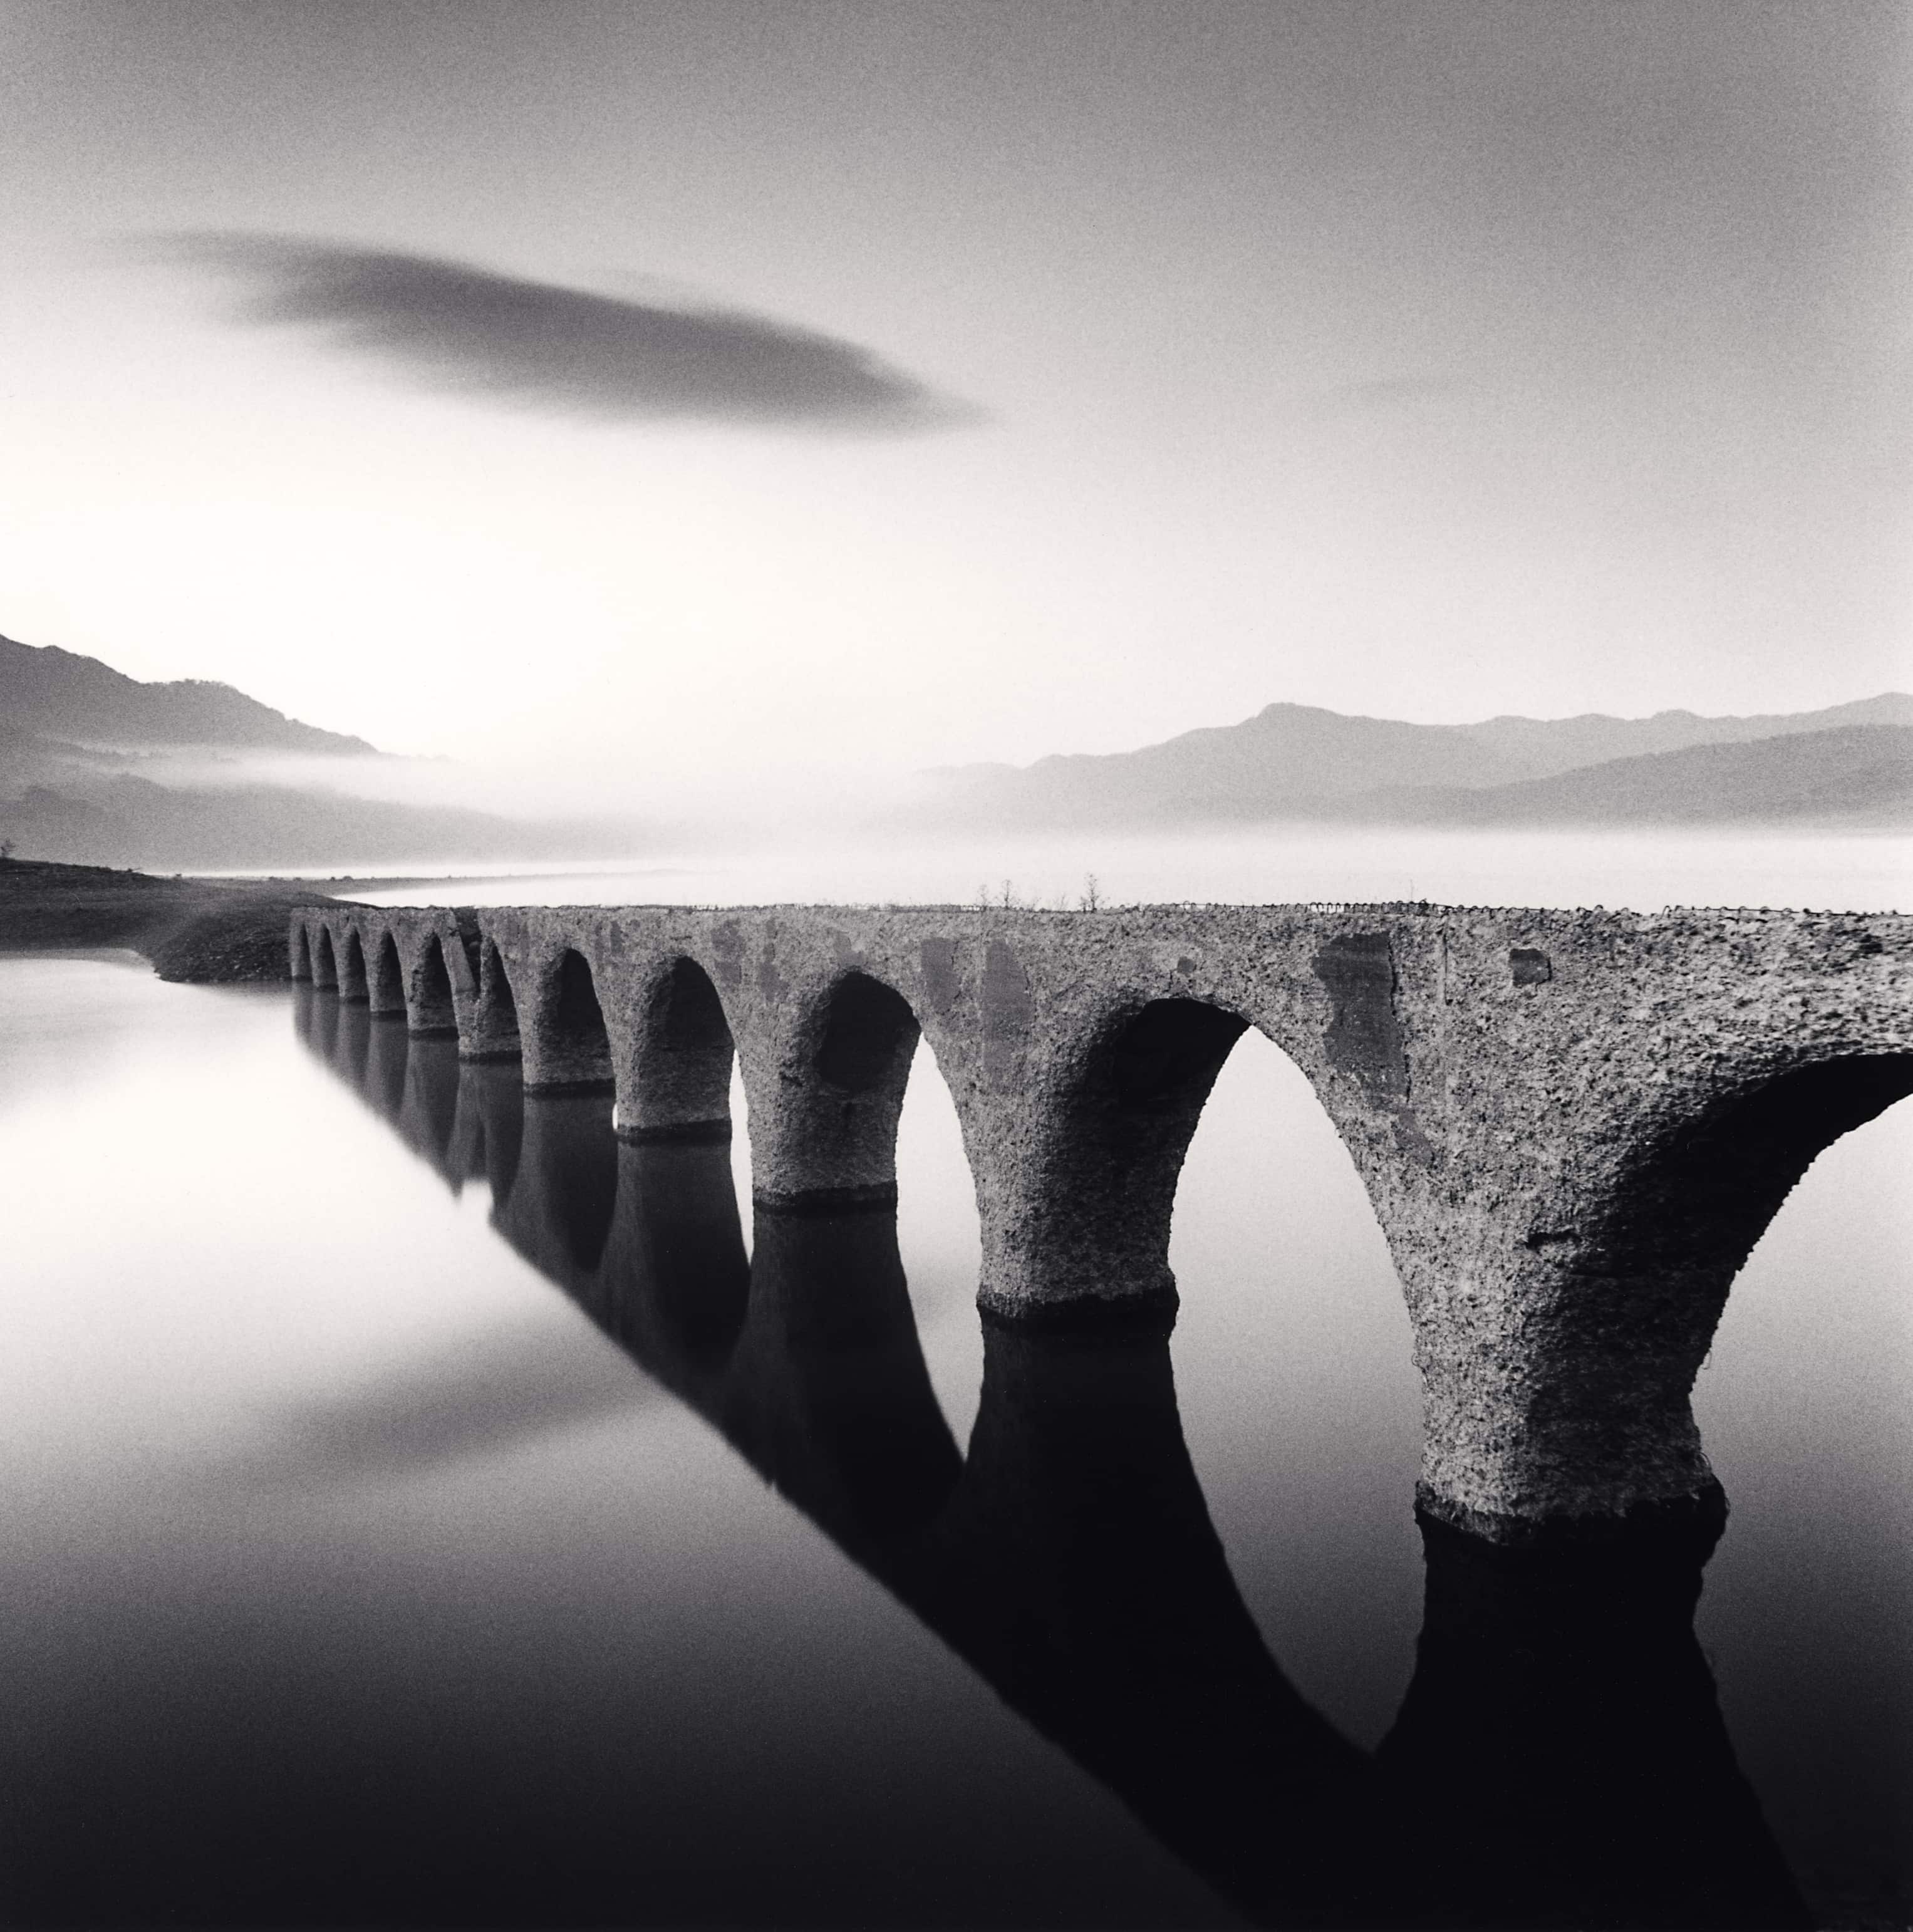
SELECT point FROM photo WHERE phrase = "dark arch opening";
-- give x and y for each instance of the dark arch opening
(1169, 1055)
(1713, 1184)
(576, 1051)
(683, 1075)
(868, 1029)
(432, 1008)
(325, 965)
(351, 968)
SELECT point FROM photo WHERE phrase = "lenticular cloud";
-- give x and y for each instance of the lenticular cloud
(449, 325)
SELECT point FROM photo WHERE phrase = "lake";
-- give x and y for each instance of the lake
(400, 1530)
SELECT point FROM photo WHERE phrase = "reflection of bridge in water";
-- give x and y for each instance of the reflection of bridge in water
(1573, 1126)
(1559, 1757)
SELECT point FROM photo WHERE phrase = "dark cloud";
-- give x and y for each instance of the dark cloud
(451, 325)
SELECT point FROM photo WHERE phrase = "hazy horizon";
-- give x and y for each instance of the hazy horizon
(842, 390)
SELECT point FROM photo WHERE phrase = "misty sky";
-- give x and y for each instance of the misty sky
(650, 390)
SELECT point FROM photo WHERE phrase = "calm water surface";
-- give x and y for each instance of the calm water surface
(416, 1512)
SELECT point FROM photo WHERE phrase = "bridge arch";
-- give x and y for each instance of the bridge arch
(494, 1032)
(301, 953)
(385, 980)
(675, 1083)
(430, 1006)
(826, 1136)
(353, 984)
(570, 1047)
(1661, 1254)
(1119, 1126)
(325, 961)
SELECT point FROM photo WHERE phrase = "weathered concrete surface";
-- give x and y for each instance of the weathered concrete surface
(1573, 1126)
(1069, 1558)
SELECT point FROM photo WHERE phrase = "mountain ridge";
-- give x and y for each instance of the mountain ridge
(47, 691)
(1291, 761)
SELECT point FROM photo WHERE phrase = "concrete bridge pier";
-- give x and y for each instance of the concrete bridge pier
(1077, 1156)
(1565, 1286)
(385, 975)
(489, 1028)
(325, 959)
(826, 1091)
(673, 1059)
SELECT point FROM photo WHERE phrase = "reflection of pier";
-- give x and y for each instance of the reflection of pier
(1573, 1126)
(1560, 1758)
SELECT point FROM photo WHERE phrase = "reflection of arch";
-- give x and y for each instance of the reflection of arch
(574, 1044)
(430, 1008)
(684, 1289)
(680, 1089)
(1070, 1560)
(353, 984)
(567, 1177)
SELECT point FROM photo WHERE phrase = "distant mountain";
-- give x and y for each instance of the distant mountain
(1860, 775)
(1541, 747)
(47, 692)
(1294, 761)
(80, 743)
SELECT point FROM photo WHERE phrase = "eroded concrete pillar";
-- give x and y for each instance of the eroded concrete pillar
(1077, 1158)
(825, 1086)
(431, 1008)
(491, 1031)
(675, 1056)
(324, 958)
(561, 1017)
(384, 972)
(1565, 1288)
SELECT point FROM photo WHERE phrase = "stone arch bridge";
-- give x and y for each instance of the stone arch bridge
(1573, 1126)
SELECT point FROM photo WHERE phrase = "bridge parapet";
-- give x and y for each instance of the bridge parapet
(1573, 1126)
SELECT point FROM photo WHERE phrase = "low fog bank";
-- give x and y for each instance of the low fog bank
(1283, 808)
(1644, 872)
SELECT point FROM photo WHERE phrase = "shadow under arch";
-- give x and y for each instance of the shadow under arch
(574, 1044)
